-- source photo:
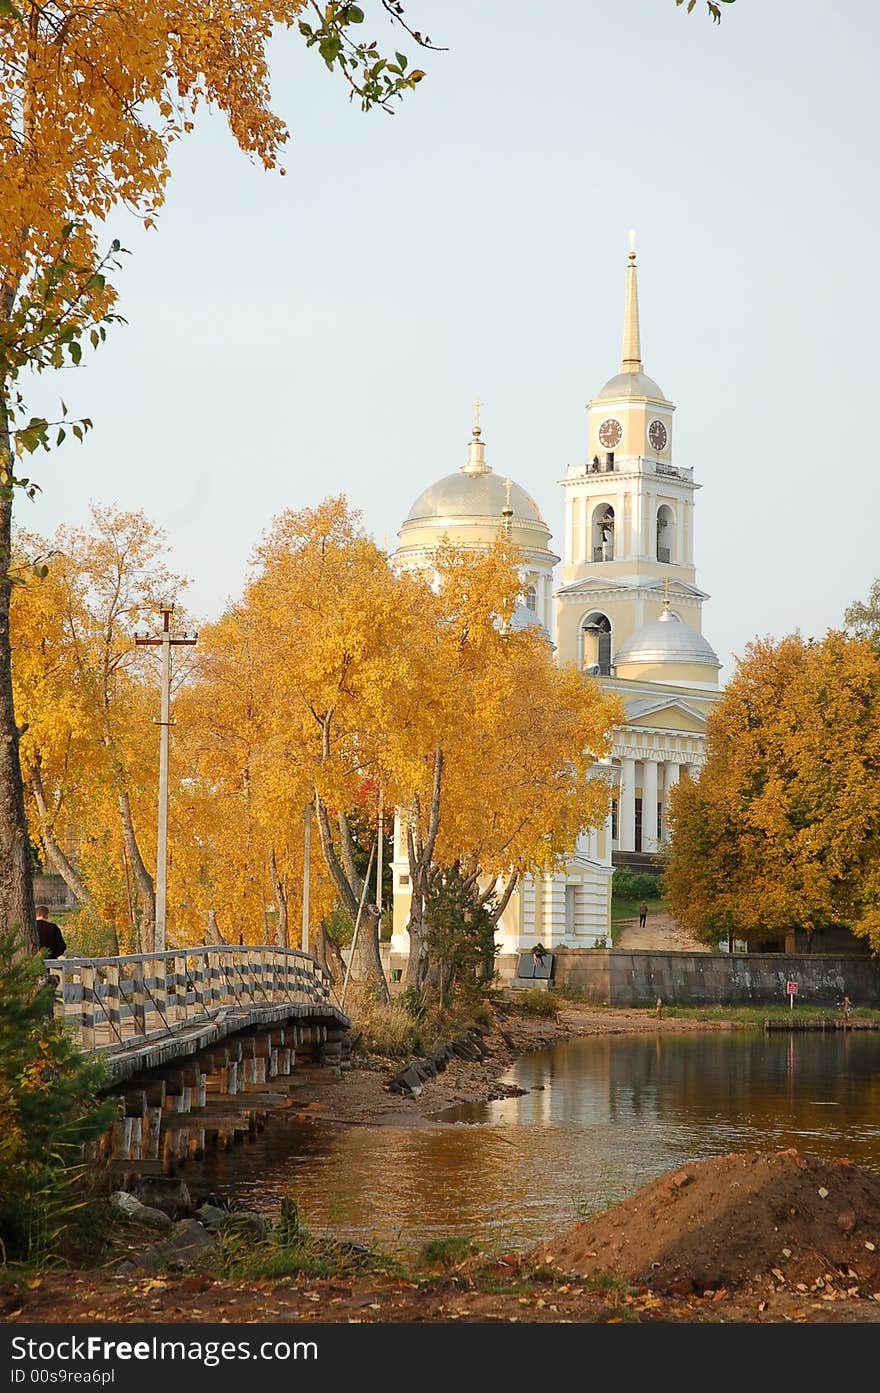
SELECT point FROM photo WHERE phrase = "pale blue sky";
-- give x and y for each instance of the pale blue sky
(326, 332)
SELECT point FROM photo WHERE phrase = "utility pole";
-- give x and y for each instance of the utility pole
(307, 866)
(379, 835)
(166, 642)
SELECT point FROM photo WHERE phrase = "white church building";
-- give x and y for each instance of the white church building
(621, 603)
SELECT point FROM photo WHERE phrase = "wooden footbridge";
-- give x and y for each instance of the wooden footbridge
(201, 1044)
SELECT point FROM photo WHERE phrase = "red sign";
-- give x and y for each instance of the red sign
(791, 988)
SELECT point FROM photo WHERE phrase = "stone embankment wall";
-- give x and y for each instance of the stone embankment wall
(618, 977)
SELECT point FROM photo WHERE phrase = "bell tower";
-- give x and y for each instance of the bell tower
(629, 513)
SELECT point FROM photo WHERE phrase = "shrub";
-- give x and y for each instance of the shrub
(533, 1002)
(50, 1106)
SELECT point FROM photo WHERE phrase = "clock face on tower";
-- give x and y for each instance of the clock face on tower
(657, 435)
(610, 434)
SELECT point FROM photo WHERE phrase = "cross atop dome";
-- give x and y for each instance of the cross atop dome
(476, 460)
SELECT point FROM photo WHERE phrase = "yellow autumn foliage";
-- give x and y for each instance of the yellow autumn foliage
(782, 829)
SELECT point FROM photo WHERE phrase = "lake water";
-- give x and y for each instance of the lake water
(602, 1116)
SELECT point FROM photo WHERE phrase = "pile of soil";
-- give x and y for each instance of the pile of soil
(733, 1222)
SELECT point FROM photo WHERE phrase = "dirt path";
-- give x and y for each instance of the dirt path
(660, 933)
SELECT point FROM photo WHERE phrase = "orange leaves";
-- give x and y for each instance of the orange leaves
(783, 829)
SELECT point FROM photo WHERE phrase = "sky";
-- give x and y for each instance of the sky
(325, 332)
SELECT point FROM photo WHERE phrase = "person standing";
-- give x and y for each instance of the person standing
(49, 935)
(643, 913)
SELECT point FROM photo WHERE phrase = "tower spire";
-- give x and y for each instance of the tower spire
(476, 460)
(632, 352)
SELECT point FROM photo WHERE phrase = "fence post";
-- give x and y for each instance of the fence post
(138, 1007)
(87, 1015)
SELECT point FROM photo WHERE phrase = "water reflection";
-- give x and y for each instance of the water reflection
(601, 1117)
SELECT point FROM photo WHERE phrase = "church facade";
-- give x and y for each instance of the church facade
(621, 603)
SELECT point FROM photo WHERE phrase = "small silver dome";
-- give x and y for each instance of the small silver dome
(524, 618)
(667, 640)
(631, 384)
(473, 495)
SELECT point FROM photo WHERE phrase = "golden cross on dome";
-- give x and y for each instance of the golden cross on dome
(666, 593)
(632, 244)
(507, 491)
(477, 405)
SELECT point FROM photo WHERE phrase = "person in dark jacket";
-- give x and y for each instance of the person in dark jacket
(50, 937)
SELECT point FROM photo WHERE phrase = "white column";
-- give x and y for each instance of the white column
(670, 779)
(649, 805)
(626, 813)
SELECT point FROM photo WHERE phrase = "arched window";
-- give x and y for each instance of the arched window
(596, 641)
(530, 596)
(602, 531)
(665, 533)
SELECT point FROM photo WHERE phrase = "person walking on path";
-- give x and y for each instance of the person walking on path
(50, 937)
(643, 913)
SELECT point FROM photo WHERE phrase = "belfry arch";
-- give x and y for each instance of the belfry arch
(596, 644)
(666, 538)
(602, 532)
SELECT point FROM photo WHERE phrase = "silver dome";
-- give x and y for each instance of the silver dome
(473, 495)
(631, 384)
(667, 640)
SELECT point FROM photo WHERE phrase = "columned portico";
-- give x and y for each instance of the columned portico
(646, 778)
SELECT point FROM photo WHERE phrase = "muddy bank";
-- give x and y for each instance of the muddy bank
(364, 1098)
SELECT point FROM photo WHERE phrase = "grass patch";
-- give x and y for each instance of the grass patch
(629, 909)
(289, 1250)
(448, 1252)
(756, 1015)
(407, 1026)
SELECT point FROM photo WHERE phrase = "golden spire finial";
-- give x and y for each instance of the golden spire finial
(632, 352)
(666, 592)
(476, 460)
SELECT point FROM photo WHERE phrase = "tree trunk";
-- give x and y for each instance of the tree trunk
(57, 857)
(213, 936)
(328, 955)
(366, 962)
(282, 937)
(16, 884)
(421, 856)
(143, 880)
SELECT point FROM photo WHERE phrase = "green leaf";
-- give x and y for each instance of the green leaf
(61, 436)
(355, 15)
(76, 353)
(330, 48)
(401, 58)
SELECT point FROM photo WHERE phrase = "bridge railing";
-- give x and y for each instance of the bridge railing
(111, 1004)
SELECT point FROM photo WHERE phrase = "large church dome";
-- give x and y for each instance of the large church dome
(667, 643)
(467, 495)
(470, 506)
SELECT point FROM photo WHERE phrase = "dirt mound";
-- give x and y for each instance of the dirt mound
(736, 1220)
